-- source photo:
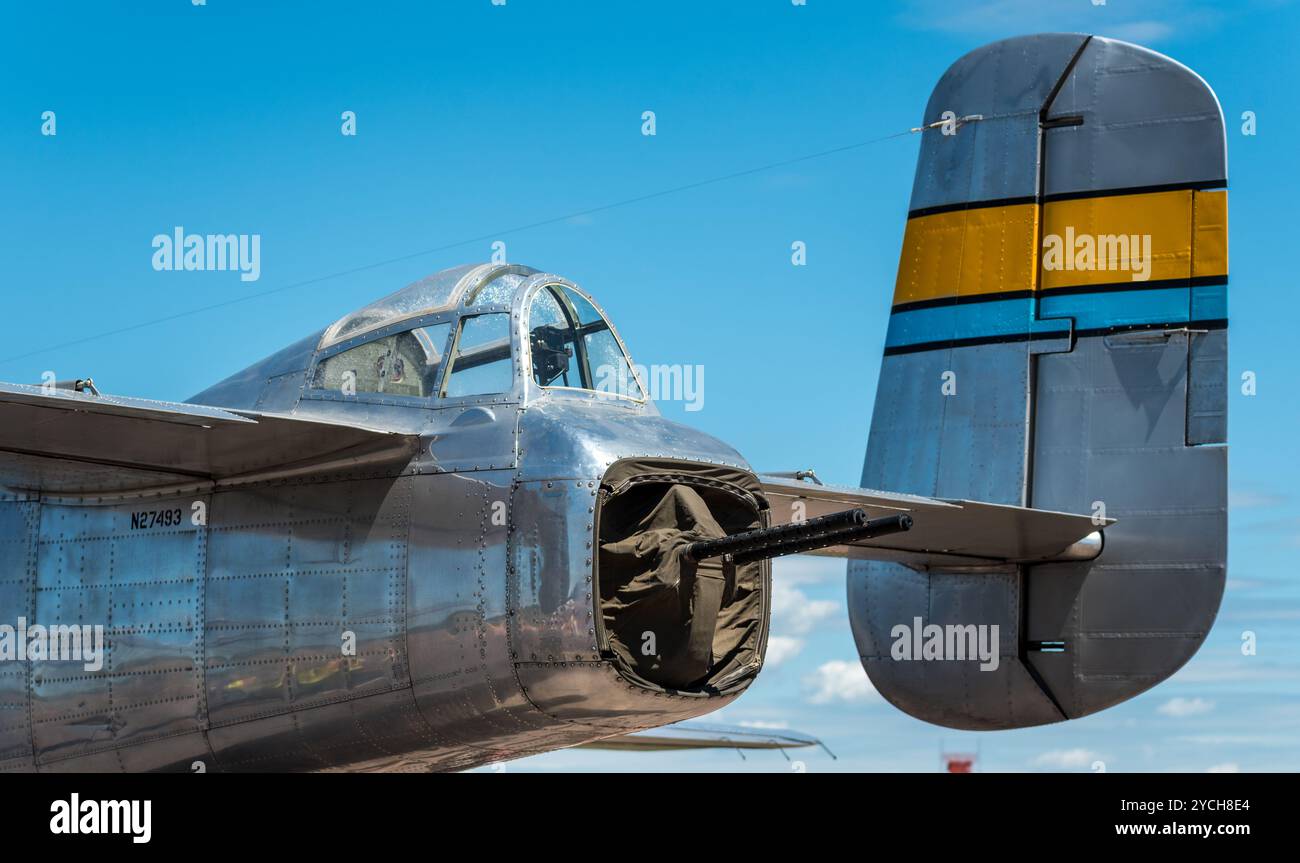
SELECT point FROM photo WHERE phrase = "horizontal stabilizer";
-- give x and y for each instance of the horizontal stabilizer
(66, 442)
(944, 532)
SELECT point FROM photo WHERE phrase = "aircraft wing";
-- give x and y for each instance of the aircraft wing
(68, 442)
(692, 735)
(944, 532)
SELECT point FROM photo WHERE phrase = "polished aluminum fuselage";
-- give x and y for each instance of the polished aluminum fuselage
(432, 614)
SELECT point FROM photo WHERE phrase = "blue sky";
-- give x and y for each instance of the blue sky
(475, 119)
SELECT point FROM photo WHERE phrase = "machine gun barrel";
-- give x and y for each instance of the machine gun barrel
(871, 528)
(815, 533)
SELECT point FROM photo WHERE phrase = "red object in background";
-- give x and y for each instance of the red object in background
(959, 763)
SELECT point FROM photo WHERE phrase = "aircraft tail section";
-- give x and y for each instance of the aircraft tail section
(1058, 340)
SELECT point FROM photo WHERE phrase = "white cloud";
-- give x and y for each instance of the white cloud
(1241, 498)
(1275, 613)
(808, 569)
(793, 613)
(1180, 707)
(1237, 671)
(839, 680)
(1135, 20)
(764, 724)
(1141, 31)
(1066, 759)
(780, 648)
(1230, 767)
(1289, 741)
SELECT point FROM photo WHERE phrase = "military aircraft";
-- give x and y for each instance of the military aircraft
(451, 528)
